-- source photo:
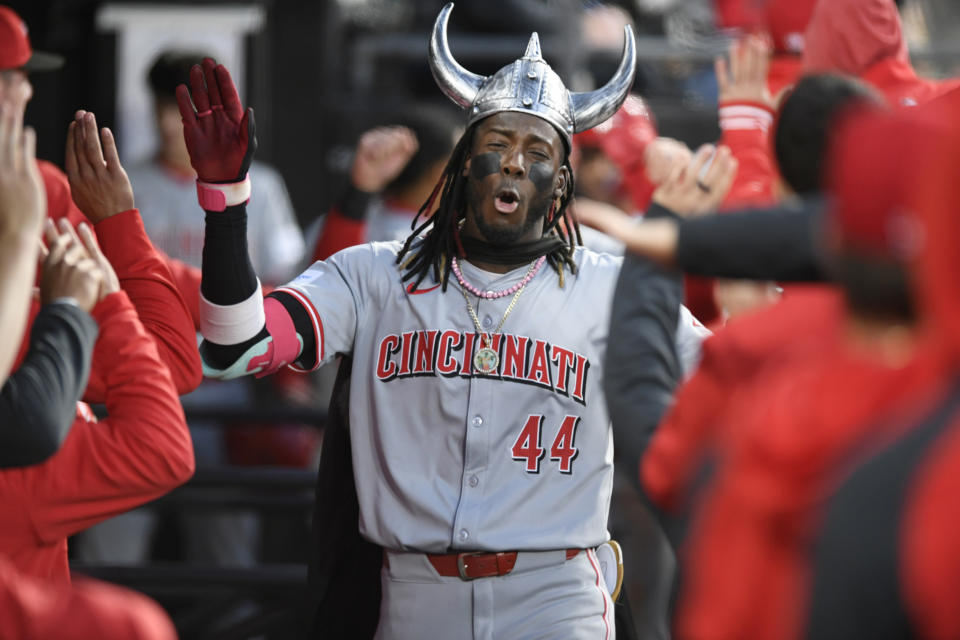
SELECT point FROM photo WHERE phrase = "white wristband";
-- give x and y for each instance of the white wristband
(234, 323)
(217, 197)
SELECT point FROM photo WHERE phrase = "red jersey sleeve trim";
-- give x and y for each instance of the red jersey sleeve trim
(314, 320)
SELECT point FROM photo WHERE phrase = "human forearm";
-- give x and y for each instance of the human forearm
(139, 452)
(762, 244)
(144, 276)
(18, 263)
(38, 402)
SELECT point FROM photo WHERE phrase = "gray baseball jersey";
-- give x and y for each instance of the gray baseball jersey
(447, 457)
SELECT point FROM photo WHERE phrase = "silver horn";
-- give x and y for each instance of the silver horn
(590, 108)
(460, 85)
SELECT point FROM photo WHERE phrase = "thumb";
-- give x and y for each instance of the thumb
(249, 126)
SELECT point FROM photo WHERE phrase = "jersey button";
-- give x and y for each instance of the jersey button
(464, 534)
(477, 421)
(474, 481)
(487, 321)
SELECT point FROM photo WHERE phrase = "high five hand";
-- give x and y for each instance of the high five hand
(220, 135)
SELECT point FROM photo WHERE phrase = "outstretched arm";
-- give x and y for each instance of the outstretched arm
(22, 208)
(38, 402)
(101, 189)
(243, 333)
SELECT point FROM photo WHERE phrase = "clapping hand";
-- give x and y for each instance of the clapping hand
(98, 183)
(699, 186)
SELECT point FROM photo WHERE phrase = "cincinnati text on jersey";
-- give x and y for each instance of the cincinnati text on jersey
(450, 353)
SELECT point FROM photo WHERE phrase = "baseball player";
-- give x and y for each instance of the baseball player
(482, 452)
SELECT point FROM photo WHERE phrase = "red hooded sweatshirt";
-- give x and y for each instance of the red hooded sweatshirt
(864, 38)
(35, 609)
(751, 542)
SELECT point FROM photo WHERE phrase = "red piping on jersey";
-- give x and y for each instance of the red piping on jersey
(590, 554)
(314, 319)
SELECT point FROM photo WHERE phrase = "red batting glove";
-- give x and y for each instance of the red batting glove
(220, 135)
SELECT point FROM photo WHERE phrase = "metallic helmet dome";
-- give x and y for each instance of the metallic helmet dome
(529, 85)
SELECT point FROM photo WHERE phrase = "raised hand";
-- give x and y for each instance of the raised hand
(701, 185)
(68, 271)
(23, 200)
(382, 153)
(98, 182)
(744, 79)
(220, 135)
(662, 156)
(84, 234)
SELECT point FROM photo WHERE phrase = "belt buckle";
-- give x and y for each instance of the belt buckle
(462, 566)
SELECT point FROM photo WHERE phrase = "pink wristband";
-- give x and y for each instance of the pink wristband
(217, 197)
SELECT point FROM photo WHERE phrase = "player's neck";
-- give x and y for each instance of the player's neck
(501, 259)
(495, 268)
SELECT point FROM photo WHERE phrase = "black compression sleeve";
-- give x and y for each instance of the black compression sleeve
(779, 244)
(228, 276)
(38, 402)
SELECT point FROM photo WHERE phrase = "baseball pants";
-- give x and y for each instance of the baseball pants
(545, 597)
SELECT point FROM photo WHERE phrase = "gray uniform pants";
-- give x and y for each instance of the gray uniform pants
(545, 597)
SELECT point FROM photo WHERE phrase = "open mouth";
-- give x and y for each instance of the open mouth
(506, 201)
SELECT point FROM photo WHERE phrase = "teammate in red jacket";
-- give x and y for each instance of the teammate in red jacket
(141, 451)
(753, 534)
(899, 493)
(864, 38)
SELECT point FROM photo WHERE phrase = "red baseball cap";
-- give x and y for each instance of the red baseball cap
(15, 49)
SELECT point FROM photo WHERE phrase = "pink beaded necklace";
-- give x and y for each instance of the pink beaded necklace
(490, 295)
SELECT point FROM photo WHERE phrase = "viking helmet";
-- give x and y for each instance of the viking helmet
(529, 85)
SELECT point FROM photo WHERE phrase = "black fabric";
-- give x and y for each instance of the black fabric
(354, 203)
(642, 368)
(656, 211)
(344, 572)
(762, 244)
(303, 326)
(514, 254)
(38, 402)
(228, 276)
(856, 586)
(222, 356)
(641, 373)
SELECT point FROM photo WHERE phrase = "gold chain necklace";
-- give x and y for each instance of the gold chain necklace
(486, 360)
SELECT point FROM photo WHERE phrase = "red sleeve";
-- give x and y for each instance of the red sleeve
(681, 441)
(140, 452)
(338, 233)
(746, 131)
(37, 609)
(187, 280)
(147, 280)
(59, 201)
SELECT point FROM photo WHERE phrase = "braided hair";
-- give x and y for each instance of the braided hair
(442, 241)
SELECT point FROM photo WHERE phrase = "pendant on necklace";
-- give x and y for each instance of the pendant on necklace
(486, 360)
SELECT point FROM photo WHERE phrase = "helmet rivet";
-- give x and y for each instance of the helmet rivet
(532, 75)
(527, 102)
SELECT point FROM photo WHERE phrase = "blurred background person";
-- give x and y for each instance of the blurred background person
(165, 187)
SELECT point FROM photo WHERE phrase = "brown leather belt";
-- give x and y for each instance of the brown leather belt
(473, 565)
